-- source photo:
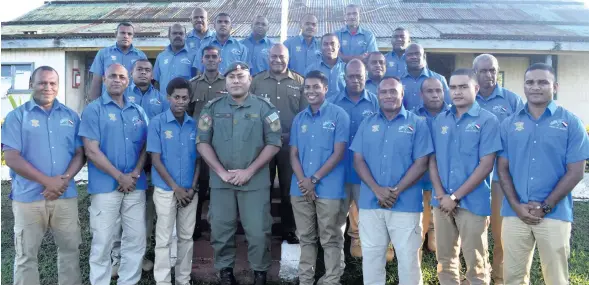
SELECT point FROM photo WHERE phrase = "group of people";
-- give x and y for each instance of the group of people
(351, 133)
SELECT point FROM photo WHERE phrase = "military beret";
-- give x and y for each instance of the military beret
(238, 65)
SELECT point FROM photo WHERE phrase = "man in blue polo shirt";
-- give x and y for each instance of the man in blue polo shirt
(358, 104)
(376, 65)
(170, 141)
(122, 52)
(415, 74)
(258, 46)
(545, 148)
(355, 42)
(396, 62)
(391, 152)
(142, 92)
(466, 141)
(114, 131)
(231, 49)
(502, 103)
(199, 18)
(304, 47)
(317, 188)
(175, 61)
(330, 64)
(432, 95)
(42, 148)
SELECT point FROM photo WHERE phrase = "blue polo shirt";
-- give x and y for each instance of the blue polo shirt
(360, 43)
(177, 146)
(335, 75)
(121, 133)
(460, 144)
(170, 64)
(315, 137)
(396, 66)
(422, 112)
(365, 107)
(193, 42)
(502, 103)
(389, 149)
(257, 53)
(302, 55)
(372, 86)
(538, 152)
(152, 102)
(47, 140)
(412, 87)
(231, 52)
(112, 54)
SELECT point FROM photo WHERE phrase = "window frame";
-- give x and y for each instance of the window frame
(12, 73)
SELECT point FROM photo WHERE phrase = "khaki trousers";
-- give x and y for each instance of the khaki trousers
(496, 219)
(319, 220)
(519, 240)
(31, 222)
(467, 231)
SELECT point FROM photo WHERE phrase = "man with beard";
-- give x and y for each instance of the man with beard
(355, 41)
(304, 47)
(282, 87)
(396, 64)
(391, 151)
(502, 103)
(201, 32)
(330, 64)
(545, 148)
(318, 142)
(170, 140)
(376, 70)
(231, 49)
(258, 45)
(415, 74)
(238, 135)
(175, 61)
(121, 52)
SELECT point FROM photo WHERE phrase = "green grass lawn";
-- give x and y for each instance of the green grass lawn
(579, 262)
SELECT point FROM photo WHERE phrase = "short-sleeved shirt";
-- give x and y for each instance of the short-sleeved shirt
(396, 66)
(389, 148)
(47, 140)
(538, 152)
(302, 55)
(372, 86)
(152, 102)
(205, 90)
(257, 53)
(231, 51)
(460, 144)
(315, 136)
(121, 133)
(238, 133)
(285, 94)
(335, 75)
(193, 42)
(112, 54)
(412, 88)
(170, 64)
(502, 103)
(176, 145)
(358, 111)
(363, 41)
(424, 113)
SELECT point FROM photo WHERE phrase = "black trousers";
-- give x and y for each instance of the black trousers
(203, 190)
(282, 161)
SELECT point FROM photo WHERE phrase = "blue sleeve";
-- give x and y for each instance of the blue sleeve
(490, 140)
(423, 140)
(294, 132)
(342, 129)
(12, 130)
(358, 142)
(577, 142)
(504, 130)
(371, 47)
(156, 69)
(89, 125)
(98, 64)
(153, 136)
(78, 143)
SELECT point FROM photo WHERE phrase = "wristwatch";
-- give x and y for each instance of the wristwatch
(546, 208)
(453, 197)
(314, 179)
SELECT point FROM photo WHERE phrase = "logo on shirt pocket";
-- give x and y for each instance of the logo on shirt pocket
(499, 109)
(329, 125)
(137, 121)
(559, 125)
(168, 134)
(519, 126)
(407, 129)
(298, 48)
(185, 61)
(473, 127)
(362, 43)
(344, 42)
(166, 61)
(112, 117)
(131, 99)
(236, 51)
(367, 113)
(303, 129)
(154, 101)
(391, 64)
(444, 130)
(35, 123)
(66, 123)
(113, 57)
(375, 128)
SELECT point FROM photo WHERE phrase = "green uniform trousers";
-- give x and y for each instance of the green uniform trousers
(254, 212)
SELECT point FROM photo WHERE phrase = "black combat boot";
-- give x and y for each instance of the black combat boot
(227, 277)
(259, 277)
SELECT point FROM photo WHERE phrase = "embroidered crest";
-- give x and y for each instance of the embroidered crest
(472, 127)
(444, 130)
(113, 57)
(329, 125)
(236, 51)
(303, 128)
(168, 134)
(407, 129)
(367, 113)
(204, 122)
(131, 99)
(66, 122)
(154, 101)
(519, 126)
(274, 122)
(166, 61)
(112, 117)
(136, 121)
(362, 43)
(35, 123)
(391, 64)
(498, 109)
(558, 124)
(298, 48)
(375, 128)
(185, 61)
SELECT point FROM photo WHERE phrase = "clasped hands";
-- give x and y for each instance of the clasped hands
(387, 196)
(55, 186)
(237, 177)
(308, 189)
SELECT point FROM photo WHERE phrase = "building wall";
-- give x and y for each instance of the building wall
(53, 58)
(574, 89)
(75, 97)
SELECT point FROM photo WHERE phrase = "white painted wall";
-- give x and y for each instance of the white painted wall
(75, 97)
(574, 88)
(53, 58)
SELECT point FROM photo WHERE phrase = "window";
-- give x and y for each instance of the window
(15, 78)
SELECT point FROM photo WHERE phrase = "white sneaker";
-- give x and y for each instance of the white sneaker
(147, 265)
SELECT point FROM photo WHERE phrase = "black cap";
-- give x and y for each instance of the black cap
(235, 66)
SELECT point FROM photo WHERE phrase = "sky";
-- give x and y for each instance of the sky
(18, 8)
